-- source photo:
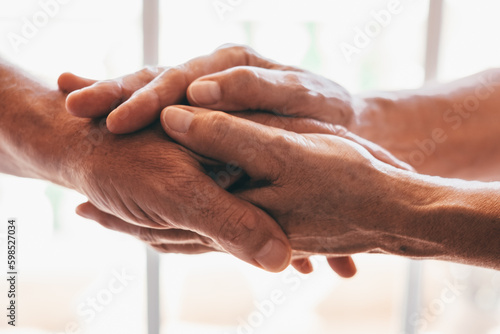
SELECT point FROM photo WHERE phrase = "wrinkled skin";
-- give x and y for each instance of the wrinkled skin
(140, 97)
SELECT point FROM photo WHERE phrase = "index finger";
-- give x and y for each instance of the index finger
(140, 97)
(169, 88)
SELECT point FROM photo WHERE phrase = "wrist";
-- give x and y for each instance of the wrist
(402, 122)
(62, 144)
(40, 137)
(447, 219)
(407, 231)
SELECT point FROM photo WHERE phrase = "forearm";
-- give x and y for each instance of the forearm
(446, 219)
(36, 138)
(449, 130)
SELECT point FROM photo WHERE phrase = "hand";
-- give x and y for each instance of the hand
(188, 242)
(144, 178)
(330, 195)
(147, 180)
(183, 241)
(233, 78)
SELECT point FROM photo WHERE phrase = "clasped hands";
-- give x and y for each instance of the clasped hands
(233, 152)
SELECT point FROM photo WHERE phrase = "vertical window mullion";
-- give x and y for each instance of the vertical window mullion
(415, 268)
(150, 37)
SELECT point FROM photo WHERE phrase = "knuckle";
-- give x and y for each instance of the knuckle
(228, 46)
(280, 142)
(292, 79)
(280, 145)
(220, 124)
(246, 72)
(302, 90)
(245, 78)
(236, 51)
(178, 71)
(149, 72)
(174, 76)
(232, 231)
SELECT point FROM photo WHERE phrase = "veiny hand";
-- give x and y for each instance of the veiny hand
(329, 194)
(280, 89)
(91, 102)
(188, 242)
(147, 180)
(169, 241)
(233, 78)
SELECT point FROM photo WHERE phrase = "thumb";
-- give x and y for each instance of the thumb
(237, 226)
(217, 135)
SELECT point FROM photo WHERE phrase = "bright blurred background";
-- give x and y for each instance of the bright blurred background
(67, 264)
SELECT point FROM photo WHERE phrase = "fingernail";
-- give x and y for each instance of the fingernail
(205, 92)
(178, 119)
(274, 256)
